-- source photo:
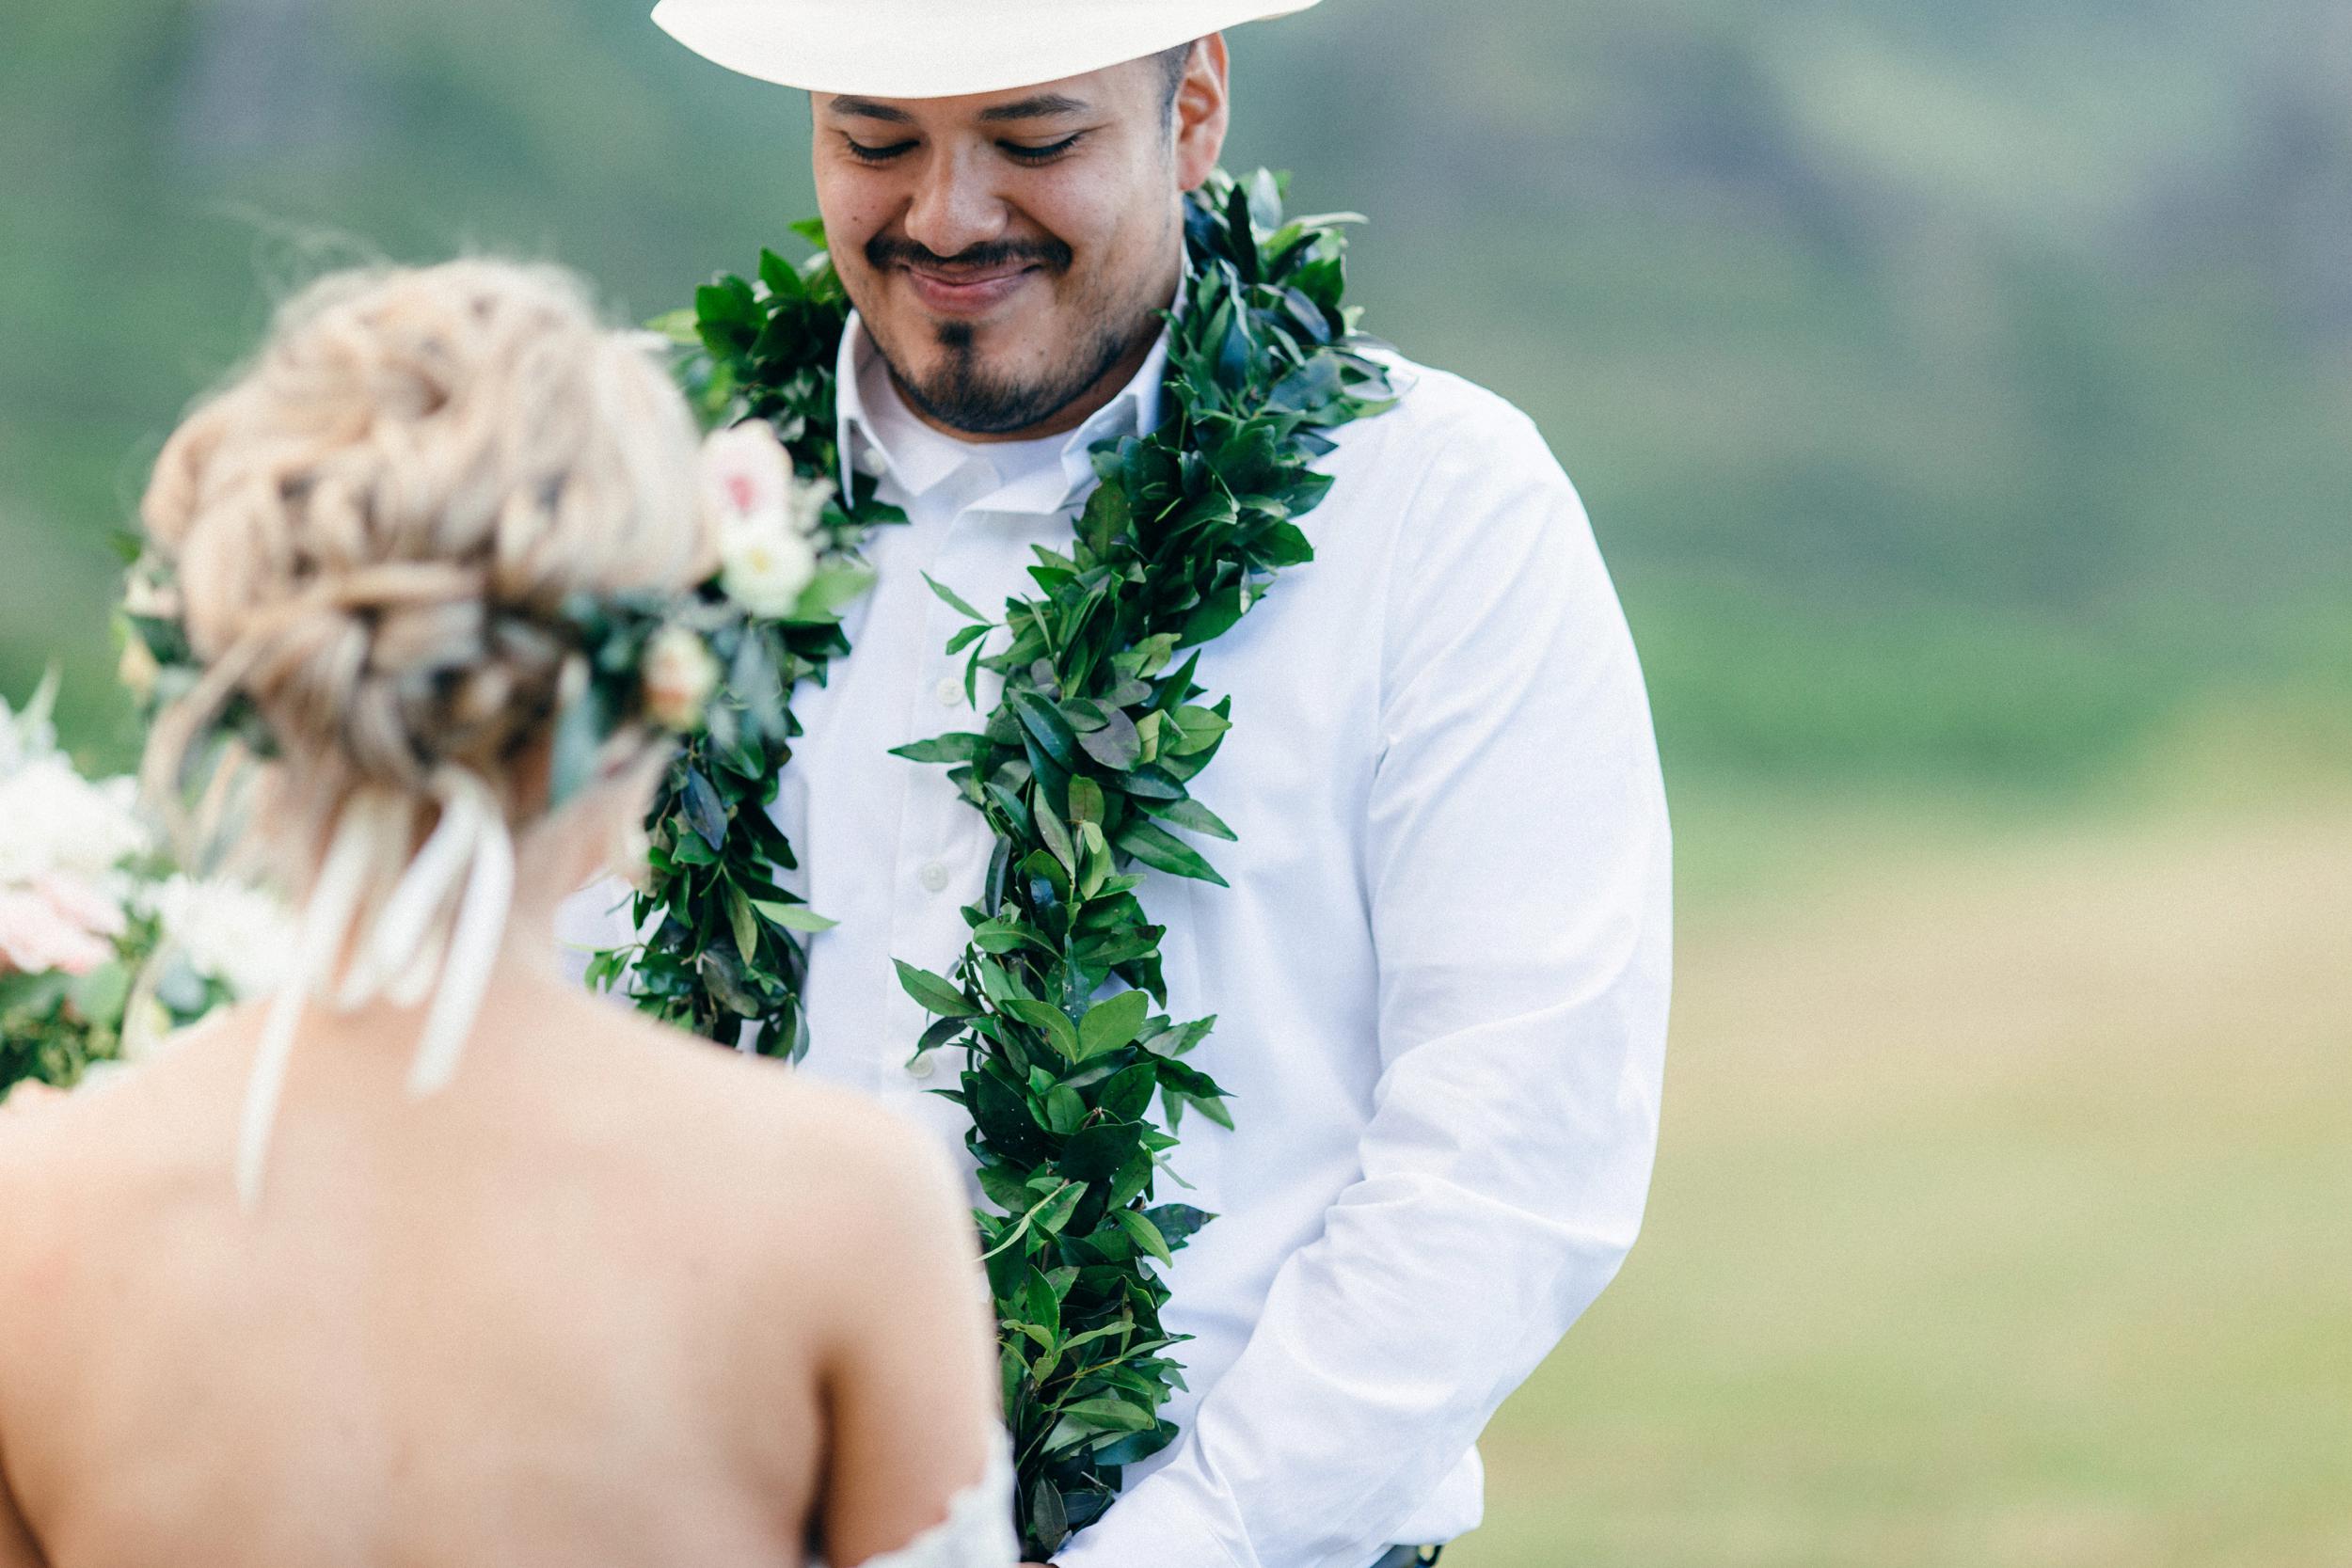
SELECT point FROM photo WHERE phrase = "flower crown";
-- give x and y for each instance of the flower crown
(713, 664)
(640, 660)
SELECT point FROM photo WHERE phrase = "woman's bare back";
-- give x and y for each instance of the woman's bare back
(613, 1297)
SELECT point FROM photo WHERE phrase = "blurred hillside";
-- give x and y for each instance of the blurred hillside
(1958, 390)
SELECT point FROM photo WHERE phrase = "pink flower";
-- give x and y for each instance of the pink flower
(36, 936)
(79, 902)
(747, 479)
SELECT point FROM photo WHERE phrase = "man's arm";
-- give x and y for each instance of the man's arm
(1518, 862)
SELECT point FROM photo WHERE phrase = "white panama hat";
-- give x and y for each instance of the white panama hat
(942, 48)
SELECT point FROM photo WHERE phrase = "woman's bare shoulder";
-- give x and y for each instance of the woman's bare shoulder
(820, 1138)
(55, 1145)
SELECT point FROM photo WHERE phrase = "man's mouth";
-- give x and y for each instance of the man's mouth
(968, 291)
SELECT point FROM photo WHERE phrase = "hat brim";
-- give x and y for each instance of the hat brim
(925, 49)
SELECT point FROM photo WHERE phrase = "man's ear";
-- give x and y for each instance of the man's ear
(1203, 110)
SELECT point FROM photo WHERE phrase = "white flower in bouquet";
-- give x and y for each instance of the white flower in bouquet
(767, 518)
(226, 931)
(53, 819)
(63, 840)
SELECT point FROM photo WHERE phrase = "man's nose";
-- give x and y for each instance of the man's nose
(955, 206)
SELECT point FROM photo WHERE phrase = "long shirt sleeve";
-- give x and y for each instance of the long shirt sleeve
(1515, 858)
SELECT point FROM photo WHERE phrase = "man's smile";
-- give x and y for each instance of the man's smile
(967, 292)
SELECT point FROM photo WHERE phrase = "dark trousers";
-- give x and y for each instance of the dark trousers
(1406, 1557)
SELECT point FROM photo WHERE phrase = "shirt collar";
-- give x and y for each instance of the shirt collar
(1134, 410)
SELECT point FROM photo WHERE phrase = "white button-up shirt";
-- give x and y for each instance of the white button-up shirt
(1440, 975)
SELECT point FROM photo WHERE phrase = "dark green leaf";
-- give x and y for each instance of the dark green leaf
(934, 994)
(1111, 1023)
(1002, 1114)
(1192, 815)
(1158, 849)
(1044, 721)
(1115, 745)
(1145, 1234)
(704, 811)
(958, 747)
(1177, 1221)
(1096, 1154)
(1059, 1032)
(953, 601)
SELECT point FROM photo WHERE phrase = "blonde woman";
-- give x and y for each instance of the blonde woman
(573, 1289)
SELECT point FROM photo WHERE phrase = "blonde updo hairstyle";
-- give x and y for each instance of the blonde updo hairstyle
(373, 528)
(371, 533)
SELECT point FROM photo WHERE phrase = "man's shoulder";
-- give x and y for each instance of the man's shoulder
(1439, 411)
(1452, 467)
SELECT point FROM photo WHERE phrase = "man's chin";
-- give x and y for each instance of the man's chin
(977, 407)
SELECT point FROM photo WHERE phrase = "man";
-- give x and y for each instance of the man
(1440, 971)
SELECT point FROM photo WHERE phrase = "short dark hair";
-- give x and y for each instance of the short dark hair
(1173, 64)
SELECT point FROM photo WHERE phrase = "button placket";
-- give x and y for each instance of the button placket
(939, 823)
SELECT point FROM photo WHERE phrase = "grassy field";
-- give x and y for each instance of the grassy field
(2003, 1215)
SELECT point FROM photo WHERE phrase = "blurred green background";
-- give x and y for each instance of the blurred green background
(1962, 395)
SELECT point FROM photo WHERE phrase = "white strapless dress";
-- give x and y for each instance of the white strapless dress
(978, 1531)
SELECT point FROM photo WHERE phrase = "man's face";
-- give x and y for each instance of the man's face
(1008, 251)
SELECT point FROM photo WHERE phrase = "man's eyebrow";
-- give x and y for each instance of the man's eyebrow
(865, 108)
(1041, 106)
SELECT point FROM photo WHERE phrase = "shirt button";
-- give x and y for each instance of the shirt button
(934, 877)
(950, 690)
(922, 1067)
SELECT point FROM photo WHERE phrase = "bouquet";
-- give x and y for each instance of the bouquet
(104, 947)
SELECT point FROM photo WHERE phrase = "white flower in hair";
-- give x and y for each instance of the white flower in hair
(768, 517)
(679, 676)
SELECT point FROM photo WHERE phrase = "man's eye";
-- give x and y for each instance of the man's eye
(1041, 154)
(874, 155)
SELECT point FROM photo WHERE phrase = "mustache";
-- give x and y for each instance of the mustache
(885, 251)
